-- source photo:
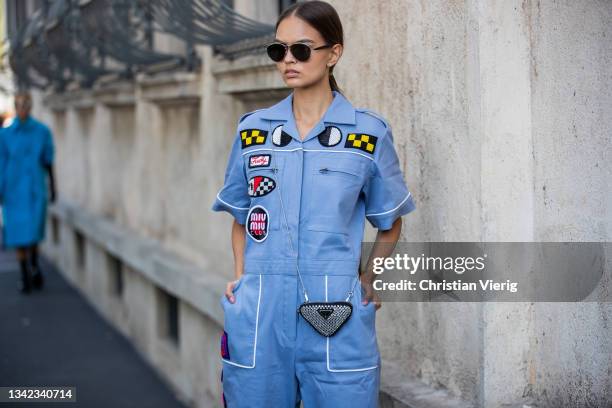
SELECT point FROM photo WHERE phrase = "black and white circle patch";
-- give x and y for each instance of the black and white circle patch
(331, 136)
(257, 223)
(279, 137)
(260, 186)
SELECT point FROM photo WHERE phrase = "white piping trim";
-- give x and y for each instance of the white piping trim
(256, 326)
(307, 150)
(391, 210)
(338, 151)
(233, 206)
(271, 149)
(335, 370)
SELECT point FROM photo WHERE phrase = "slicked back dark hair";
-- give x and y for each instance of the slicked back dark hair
(323, 17)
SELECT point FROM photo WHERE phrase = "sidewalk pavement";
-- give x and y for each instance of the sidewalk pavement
(54, 337)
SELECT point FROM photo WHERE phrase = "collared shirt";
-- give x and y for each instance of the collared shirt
(309, 198)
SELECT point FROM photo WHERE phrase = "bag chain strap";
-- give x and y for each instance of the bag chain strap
(286, 225)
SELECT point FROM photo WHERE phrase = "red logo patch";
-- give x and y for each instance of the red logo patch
(260, 160)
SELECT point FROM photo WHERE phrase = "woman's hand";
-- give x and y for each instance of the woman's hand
(383, 247)
(370, 295)
(238, 243)
(229, 290)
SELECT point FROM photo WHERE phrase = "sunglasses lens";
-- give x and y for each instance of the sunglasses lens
(301, 52)
(276, 52)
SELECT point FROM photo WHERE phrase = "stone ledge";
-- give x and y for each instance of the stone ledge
(78, 99)
(115, 94)
(118, 93)
(182, 278)
(170, 87)
(398, 391)
(248, 77)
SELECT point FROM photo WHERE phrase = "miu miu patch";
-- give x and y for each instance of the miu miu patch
(257, 223)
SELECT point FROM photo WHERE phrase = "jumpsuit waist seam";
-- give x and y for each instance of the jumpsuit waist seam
(307, 267)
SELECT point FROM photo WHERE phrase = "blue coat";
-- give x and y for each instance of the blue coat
(305, 202)
(25, 149)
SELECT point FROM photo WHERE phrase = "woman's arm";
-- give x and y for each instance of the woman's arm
(49, 168)
(389, 238)
(238, 242)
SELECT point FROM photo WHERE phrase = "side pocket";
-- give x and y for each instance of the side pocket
(241, 321)
(354, 347)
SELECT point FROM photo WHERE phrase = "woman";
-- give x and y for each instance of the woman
(303, 175)
(26, 158)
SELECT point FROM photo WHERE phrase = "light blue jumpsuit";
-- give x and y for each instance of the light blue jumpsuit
(25, 149)
(345, 170)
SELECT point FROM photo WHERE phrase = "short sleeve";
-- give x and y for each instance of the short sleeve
(233, 196)
(386, 194)
(48, 148)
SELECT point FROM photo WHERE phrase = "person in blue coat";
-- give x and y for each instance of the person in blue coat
(302, 177)
(26, 159)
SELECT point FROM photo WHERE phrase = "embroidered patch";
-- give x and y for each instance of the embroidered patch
(252, 137)
(260, 160)
(279, 137)
(257, 223)
(361, 141)
(331, 136)
(260, 186)
(224, 349)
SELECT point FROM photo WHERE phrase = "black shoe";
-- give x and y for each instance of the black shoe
(26, 284)
(37, 279)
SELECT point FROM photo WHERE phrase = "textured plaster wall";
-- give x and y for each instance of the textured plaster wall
(501, 112)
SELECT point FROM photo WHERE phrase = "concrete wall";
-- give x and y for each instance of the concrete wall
(502, 115)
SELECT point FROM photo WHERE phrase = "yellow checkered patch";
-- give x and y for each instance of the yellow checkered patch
(252, 137)
(361, 141)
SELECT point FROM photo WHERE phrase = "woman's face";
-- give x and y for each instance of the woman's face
(298, 74)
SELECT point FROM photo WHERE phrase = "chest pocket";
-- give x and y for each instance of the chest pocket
(336, 184)
(263, 186)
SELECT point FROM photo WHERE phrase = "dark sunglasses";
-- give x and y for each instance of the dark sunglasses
(301, 52)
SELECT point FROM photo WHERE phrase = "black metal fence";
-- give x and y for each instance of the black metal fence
(66, 41)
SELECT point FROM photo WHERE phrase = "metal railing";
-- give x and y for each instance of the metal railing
(80, 41)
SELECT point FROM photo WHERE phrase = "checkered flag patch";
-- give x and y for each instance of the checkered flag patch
(251, 137)
(260, 186)
(361, 141)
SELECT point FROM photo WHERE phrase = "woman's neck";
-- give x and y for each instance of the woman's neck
(309, 104)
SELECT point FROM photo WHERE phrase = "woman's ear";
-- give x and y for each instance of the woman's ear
(336, 53)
